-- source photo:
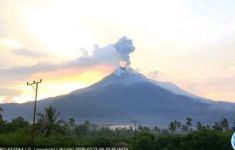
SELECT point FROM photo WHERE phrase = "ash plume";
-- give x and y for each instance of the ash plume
(115, 55)
(124, 47)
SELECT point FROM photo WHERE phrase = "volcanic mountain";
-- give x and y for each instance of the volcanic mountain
(127, 95)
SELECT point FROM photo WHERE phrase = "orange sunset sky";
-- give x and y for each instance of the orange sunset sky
(67, 42)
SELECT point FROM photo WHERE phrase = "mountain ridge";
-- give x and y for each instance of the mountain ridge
(127, 95)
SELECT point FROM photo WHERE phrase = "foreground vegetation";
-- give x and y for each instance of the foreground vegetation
(52, 131)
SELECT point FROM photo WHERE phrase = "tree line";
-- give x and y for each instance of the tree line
(53, 131)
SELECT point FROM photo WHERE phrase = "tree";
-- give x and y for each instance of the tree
(145, 142)
(83, 129)
(184, 128)
(143, 129)
(207, 126)
(189, 123)
(69, 126)
(165, 132)
(48, 122)
(177, 125)
(19, 123)
(217, 127)
(224, 124)
(172, 127)
(71, 123)
(206, 140)
(157, 130)
(2, 126)
(87, 123)
(199, 126)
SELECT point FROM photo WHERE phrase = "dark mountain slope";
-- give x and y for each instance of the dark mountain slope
(126, 95)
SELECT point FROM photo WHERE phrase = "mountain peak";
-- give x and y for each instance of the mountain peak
(127, 75)
(122, 70)
(122, 75)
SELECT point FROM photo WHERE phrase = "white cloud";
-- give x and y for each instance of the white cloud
(27, 53)
(9, 92)
(180, 38)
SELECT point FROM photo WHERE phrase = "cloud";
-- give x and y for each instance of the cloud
(9, 92)
(13, 53)
(107, 55)
(231, 70)
(216, 88)
(110, 54)
(8, 99)
(124, 47)
(28, 70)
(28, 53)
(100, 55)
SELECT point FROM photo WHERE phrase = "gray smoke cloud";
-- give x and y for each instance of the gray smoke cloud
(124, 47)
(110, 54)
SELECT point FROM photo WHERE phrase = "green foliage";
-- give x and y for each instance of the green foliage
(54, 141)
(189, 122)
(81, 130)
(71, 123)
(217, 127)
(172, 127)
(48, 122)
(18, 123)
(206, 139)
(54, 132)
(198, 140)
(224, 124)
(19, 138)
(145, 142)
(2, 126)
(102, 142)
(169, 142)
(199, 126)
(143, 129)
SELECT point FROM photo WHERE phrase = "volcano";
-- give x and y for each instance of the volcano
(128, 95)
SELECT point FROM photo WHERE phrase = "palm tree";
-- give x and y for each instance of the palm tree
(177, 124)
(71, 123)
(49, 123)
(172, 127)
(224, 124)
(189, 123)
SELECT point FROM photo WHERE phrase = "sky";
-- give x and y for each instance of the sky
(69, 44)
